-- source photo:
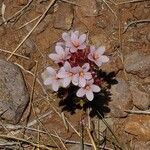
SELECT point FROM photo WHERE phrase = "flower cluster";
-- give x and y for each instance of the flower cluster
(77, 63)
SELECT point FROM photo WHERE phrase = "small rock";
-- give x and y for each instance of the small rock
(28, 65)
(29, 47)
(114, 65)
(138, 64)
(63, 17)
(140, 98)
(138, 125)
(139, 145)
(121, 99)
(22, 2)
(14, 96)
(43, 25)
(88, 7)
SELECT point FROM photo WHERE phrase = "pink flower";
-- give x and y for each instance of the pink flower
(96, 55)
(67, 74)
(50, 78)
(61, 54)
(83, 75)
(74, 41)
(88, 90)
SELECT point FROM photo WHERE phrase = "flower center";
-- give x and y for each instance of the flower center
(95, 56)
(87, 87)
(70, 74)
(76, 44)
(81, 73)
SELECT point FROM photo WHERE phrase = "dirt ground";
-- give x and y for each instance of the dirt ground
(28, 33)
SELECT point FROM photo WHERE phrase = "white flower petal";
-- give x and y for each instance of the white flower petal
(51, 71)
(83, 46)
(66, 36)
(92, 49)
(59, 50)
(54, 57)
(75, 79)
(82, 82)
(74, 37)
(82, 38)
(90, 57)
(86, 67)
(66, 81)
(98, 62)
(73, 49)
(95, 88)
(101, 50)
(62, 73)
(67, 66)
(89, 95)
(104, 59)
(80, 92)
(87, 75)
(55, 85)
(48, 81)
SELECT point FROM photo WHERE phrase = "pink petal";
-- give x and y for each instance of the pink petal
(54, 57)
(101, 50)
(92, 49)
(62, 73)
(76, 69)
(83, 46)
(87, 75)
(55, 86)
(67, 66)
(82, 82)
(80, 92)
(66, 81)
(60, 44)
(69, 44)
(90, 56)
(90, 82)
(76, 32)
(51, 71)
(104, 59)
(86, 67)
(95, 88)
(98, 62)
(59, 50)
(74, 37)
(82, 38)
(66, 36)
(73, 49)
(89, 95)
(48, 81)
(75, 79)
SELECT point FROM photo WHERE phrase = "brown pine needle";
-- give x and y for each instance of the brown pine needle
(34, 27)
(91, 138)
(24, 141)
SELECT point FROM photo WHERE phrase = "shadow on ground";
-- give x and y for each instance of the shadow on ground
(98, 106)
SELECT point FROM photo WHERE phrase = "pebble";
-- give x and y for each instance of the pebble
(138, 64)
(63, 17)
(138, 125)
(14, 96)
(121, 99)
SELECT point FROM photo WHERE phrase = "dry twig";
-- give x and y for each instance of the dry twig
(17, 13)
(34, 27)
(136, 22)
(24, 141)
(138, 112)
